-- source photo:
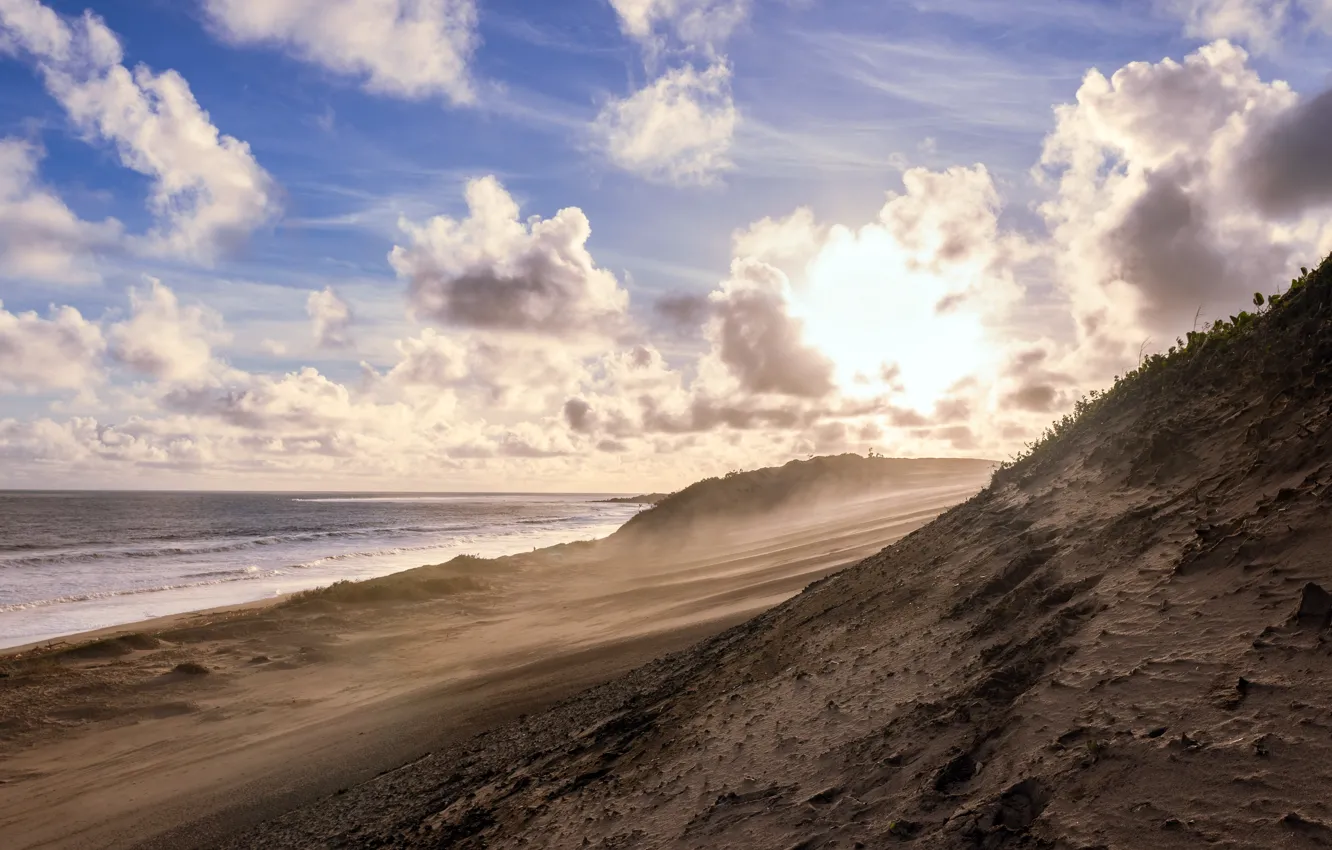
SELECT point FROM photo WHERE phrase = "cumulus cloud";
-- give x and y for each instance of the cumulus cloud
(701, 24)
(1288, 170)
(788, 243)
(677, 130)
(431, 360)
(503, 375)
(208, 193)
(944, 218)
(578, 414)
(757, 339)
(402, 48)
(1151, 211)
(1260, 23)
(62, 352)
(41, 238)
(303, 401)
(330, 318)
(1033, 382)
(165, 340)
(683, 313)
(491, 270)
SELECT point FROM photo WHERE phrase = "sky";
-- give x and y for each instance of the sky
(619, 245)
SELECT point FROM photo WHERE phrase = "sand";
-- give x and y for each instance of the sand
(114, 746)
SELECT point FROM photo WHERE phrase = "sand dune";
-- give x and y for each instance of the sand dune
(111, 745)
(1122, 643)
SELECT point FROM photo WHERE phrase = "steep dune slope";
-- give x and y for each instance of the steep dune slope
(1118, 644)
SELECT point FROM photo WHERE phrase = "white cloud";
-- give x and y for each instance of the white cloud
(494, 271)
(1262, 24)
(1259, 22)
(788, 243)
(678, 129)
(28, 22)
(430, 360)
(403, 48)
(62, 352)
(208, 193)
(166, 341)
(1152, 213)
(330, 318)
(501, 374)
(41, 238)
(701, 24)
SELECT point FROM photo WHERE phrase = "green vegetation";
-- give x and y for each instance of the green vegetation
(1155, 370)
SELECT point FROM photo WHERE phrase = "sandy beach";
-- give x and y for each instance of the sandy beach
(114, 744)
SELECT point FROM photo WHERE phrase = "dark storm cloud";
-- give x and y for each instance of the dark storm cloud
(762, 346)
(1289, 168)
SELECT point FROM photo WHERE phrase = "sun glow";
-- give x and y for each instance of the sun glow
(885, 320)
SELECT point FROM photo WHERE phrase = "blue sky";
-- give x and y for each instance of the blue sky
(820, 104)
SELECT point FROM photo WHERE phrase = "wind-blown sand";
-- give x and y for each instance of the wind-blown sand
(109, 746)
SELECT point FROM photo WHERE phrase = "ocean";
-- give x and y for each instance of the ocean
(74, 561)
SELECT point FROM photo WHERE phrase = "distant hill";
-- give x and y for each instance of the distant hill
(646, 499)
(745, 495)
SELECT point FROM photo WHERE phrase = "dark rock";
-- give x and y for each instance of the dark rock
(1157, 732)
(1020, 805)
(1315, 829)
(1315, 609)
(903, 829)
(956, 772)
(826, 796)
(190, 668)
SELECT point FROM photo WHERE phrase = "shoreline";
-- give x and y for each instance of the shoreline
(272, 599)
(152, 624)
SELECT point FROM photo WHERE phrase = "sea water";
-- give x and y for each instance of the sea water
(74, 561)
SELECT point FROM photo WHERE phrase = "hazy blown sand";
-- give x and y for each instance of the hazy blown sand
(109, 745)
(1122, 643)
